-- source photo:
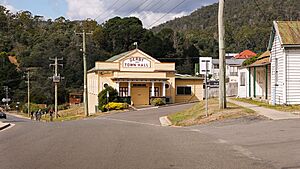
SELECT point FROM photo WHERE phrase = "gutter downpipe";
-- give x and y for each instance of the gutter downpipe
(249, 81)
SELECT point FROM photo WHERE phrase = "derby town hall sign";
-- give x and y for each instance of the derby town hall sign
(137, 62)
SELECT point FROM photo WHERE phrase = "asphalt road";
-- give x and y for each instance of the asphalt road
(135, 140)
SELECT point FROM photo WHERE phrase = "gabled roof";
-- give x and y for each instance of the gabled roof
(289, 32)
(121, 56)
(116, 57)
(245, 54)
(262, 60)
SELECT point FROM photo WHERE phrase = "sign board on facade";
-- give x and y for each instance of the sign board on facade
(205, 61)
(136, 62)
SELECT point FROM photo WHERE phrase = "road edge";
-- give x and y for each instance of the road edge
(4, 125)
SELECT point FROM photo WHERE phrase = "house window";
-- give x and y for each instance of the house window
(242, 79)
(123, 91)
(184, 90)
(156, 91)
(216, 66)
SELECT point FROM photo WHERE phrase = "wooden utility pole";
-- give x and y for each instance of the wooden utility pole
(222, 61)
(85, 94)
(28, 93)
(56, 79)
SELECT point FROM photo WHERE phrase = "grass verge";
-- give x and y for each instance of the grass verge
(284, 108)
(196, 114)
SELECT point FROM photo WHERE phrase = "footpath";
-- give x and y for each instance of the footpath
(269, 113)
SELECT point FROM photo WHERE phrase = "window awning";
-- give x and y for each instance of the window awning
(140, 79)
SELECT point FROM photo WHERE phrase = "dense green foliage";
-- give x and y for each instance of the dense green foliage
(33, 40)
(103, 100)
(9, 76)
(248, 24)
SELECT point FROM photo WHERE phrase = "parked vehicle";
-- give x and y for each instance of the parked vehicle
(2, 115)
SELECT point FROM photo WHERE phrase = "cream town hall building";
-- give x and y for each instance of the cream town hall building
(139, 77)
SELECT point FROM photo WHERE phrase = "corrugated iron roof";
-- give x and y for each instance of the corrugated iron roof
(289, 32)
(262, 60)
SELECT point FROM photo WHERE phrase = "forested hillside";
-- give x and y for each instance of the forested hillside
(33, 40)
(248, 24)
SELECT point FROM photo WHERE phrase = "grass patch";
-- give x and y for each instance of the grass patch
(196, 114)
(74, 113)
(284, 108)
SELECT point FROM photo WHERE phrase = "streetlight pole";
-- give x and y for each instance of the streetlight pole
(85, 94)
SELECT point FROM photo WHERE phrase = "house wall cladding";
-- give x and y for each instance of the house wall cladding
(293, 76)
(277, 76)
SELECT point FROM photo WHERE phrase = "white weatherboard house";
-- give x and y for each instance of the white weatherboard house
(254, 79)
(285, 62)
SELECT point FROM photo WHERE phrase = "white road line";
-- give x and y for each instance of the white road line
(239, 149)
(245, 152)
(128, 121)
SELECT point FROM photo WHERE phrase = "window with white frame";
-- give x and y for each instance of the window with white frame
(123, 91)
(242, 79)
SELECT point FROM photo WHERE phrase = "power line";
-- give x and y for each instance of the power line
(136, 8)
(257, 5)
(145, 14)
(167, 13)
(156, 8)
(107, 9)
(117, 9)
(149, 5)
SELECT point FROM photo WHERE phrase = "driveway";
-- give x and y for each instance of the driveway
(131, 140)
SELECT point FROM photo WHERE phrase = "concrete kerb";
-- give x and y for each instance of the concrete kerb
(4, 125)
(164, 121)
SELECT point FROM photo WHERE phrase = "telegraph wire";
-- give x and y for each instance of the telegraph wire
(167, 13)
(116, 10)
(151, 7)
(108, 9)
(156, 8)
(136, 8)
(257, 5)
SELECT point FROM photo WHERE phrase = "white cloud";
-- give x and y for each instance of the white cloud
(151, 19)
(83, 9)
(8, 6)
(149, 12)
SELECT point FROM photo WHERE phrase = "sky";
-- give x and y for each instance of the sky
(151, 12)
